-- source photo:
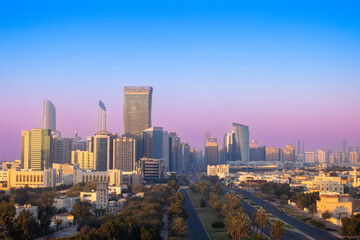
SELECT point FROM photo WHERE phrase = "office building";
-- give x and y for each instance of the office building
(85, 159)
(310, 157)
(321, 156)
(153, 142)
(151, 169)
(211, 152)
(166, 150)
(102, 147)
(341, 157)
(193, 158)
(61, 149)
(174, 152)
(137, 110)
(344, 145)
(49, 116)
(222, 156)
(273, 154)
(218, 170)
(124, 153)
(36, 149)
(185, 156)
(257, 154)
(300, 147)
(354, 157)
(289, 153)
(236, 143)
(101, 117)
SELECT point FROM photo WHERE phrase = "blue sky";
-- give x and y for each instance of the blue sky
(288, 69)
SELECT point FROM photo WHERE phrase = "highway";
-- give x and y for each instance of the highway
(196, 230)
(288, 235)
(313, 232)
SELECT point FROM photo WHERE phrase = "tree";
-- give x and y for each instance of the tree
(277, 230)
(20, 196)
(173, 185)
(45, 222)
(147, 234)
(4, 232)
(312, 209)
(178, 227)
(26, 227)
(7, 215)
(81, 210)
(238, 226)
(326, 215)
(283, 200)
(58, 222)
(260, 219)
(218, 189)
(47, 199)
(350, 226)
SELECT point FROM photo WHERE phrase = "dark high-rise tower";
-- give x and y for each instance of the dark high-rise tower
(124, 153)
(137, 110)
(211, 152)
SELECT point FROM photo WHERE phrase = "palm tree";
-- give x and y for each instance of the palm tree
(179, 227)
(261, 219)
(277, 230)
(238, 225)
(4, 233)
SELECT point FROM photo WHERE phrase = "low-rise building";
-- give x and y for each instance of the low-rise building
(65, 202)
(34, 179)
(151, 169)
(66, 218)
(32, 209)
(340, 205)
(99, 197)
(218, 170)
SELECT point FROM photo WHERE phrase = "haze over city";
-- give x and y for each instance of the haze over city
(287, 71)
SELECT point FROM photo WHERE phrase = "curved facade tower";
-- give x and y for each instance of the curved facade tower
(102, 116)
(49, 118)
(241, 141)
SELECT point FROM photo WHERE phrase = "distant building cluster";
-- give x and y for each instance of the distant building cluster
(143, 153)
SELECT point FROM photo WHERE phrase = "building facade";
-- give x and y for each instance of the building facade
(49, 116)
(124, 153)
(101, 117)
(85, 159)
(137, 110)
(36, 149)
(211, 152)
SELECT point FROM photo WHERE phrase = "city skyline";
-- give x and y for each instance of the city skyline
(290, 73)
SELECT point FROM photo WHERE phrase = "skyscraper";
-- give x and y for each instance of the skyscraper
(321, 156)
(36, 149)
(344, 145)
(137, 110)
(236, 143)
(175, 152)
(153, 142)
(102, 117)
(211, 152)
(49, 116)
(124, 154)
(273, 154)
(289, 153)
(102, 147)
(166, 150)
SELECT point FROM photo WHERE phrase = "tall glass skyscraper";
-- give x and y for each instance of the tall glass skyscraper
(137, 110)
(102, 116)
(153, 142)
(36, 149)
(236, 143)
(49, 116)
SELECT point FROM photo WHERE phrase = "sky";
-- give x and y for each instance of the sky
(290, 70)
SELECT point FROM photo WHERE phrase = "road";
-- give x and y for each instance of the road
(288, 235)
(67, 232)
(313, 232)
(196, 230)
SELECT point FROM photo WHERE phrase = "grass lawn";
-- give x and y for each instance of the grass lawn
(207, 216)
